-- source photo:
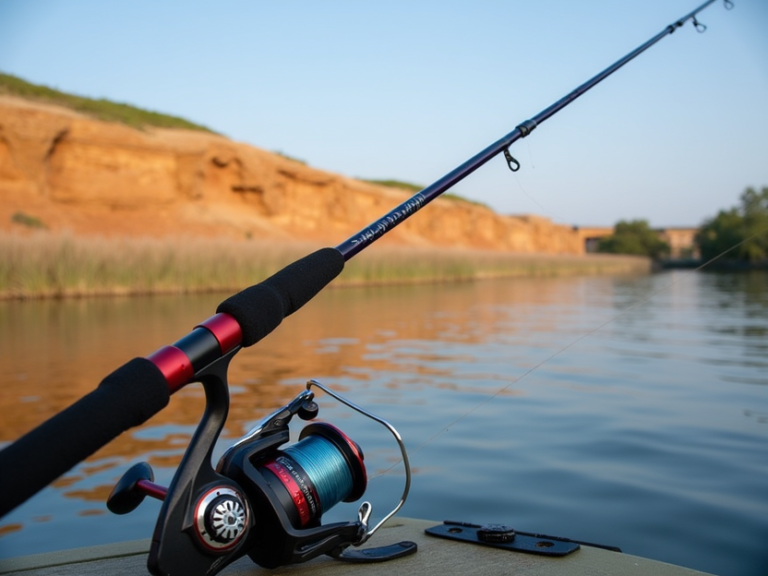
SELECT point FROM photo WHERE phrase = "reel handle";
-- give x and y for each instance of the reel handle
(130, 491)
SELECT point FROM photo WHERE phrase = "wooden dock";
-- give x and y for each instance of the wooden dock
(435, 557)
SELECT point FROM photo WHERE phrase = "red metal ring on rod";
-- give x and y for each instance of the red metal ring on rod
(226, 330)
(175, 366)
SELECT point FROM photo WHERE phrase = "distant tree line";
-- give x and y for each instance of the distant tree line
(634, 237)
(740, 233)
(736, 235)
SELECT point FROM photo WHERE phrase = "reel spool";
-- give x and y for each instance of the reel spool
(324, 468)
(263, 500)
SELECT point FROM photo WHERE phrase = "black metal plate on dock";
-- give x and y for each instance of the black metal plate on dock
(515, 541)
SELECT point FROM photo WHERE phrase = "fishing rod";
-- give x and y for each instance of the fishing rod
(210, 517)
(362, 239)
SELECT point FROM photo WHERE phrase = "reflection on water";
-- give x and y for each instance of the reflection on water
(555, 405)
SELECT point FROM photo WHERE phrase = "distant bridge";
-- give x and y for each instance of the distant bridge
(680, 239)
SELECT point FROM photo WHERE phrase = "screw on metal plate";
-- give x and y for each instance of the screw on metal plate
(496, 533)
(504, 537)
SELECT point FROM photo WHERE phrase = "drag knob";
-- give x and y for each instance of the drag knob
(221, 518)
(225, 519)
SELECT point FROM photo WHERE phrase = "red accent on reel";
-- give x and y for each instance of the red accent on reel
(149, 488)
(296, 493)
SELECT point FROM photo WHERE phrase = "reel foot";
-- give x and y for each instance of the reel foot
(380, 554)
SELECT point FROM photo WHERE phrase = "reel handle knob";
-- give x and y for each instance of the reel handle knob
(130, 491)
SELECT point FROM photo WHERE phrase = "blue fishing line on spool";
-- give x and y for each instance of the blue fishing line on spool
(325, 466)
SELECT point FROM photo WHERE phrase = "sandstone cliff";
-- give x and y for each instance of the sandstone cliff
(76, 174)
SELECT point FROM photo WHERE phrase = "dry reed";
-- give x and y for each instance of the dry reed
(45, 264)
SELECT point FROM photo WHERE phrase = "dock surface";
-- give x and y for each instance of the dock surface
(435, 557)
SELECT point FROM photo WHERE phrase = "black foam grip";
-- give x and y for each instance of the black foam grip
(260, 308)
(124, 399)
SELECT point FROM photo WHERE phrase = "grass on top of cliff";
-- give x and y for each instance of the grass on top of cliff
(100, 109)
(45, 264)
(413, 188)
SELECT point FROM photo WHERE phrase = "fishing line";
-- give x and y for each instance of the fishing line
(530, 154)
(568, 346)
(531, 198)
(548, 213)
(724, 252)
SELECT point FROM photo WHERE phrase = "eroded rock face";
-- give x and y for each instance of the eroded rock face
(90, 177)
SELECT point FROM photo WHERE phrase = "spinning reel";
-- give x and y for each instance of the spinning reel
(261, 500)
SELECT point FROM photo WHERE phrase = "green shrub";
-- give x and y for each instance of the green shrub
(27, 220)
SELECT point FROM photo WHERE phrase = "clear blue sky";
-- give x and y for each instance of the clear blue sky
(408, 90)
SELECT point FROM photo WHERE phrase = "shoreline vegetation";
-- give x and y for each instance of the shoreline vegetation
(54, 265)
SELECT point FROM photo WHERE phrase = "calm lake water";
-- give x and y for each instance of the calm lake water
(629, 411)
